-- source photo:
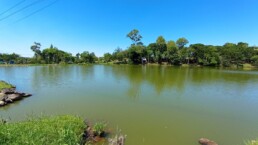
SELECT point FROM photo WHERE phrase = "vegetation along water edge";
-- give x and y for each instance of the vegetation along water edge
(160, 52)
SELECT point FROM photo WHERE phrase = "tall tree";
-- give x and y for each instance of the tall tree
(162, 47)
(181, 42)
(135, 37)
(36, 49)
(161, 40)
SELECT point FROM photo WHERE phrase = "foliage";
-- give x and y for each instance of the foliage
(99, 128)
(54, 55)
(135, 37)
(170, 52)
(6, 58)
(45, 130)
(255, 60)
(107, 57)
(135, 53)
(87, 57)
(181, 42)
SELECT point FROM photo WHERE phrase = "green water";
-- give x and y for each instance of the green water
(153, 105)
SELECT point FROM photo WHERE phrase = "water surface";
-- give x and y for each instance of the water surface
(153, 105)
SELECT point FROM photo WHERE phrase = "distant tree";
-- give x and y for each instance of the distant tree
(118, 54)
(135, 37)
(161, 40)
(36, 49)
(181, 42)
(162, 47)
(88, 57)
(8, 57)
(204, 55)
(171, 45)
(135, 53)
(107, 57)
(77, 58)
(54, 55)
(172, 53)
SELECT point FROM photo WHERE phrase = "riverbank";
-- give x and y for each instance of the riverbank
(245, 66)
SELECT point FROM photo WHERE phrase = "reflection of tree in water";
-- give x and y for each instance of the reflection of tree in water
(60, 74)
(177, 78)
(160, 77)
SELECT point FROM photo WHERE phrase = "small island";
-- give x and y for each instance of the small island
(8, 94)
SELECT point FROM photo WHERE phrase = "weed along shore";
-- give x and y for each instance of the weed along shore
(54, 130)
(8, 94)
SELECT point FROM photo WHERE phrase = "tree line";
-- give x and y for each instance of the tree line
(162, 51)
(178, 53)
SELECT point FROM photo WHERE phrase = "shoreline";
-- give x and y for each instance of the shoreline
(233, 67)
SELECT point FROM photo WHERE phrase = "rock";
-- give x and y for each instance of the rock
(205, 141)
(2, 96)
(10, 95)
(26, 94)
(2, 103)
(14, 97)
(8, 91)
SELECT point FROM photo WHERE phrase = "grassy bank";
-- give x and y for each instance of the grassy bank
(44, 130)
(4, 85)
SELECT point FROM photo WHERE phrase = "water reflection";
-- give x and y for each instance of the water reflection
(137, 97)
(162, 78)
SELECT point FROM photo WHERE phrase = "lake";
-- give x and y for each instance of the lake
(152, 105)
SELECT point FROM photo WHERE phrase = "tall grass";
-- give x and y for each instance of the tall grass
(43, 131)
(253, 142)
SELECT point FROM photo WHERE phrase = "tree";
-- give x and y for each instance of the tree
(54, 55)
(204, 55)
(88, 57)
(161, 40)
(181, 42)
(107, 57)
(171, 45)
(162, 47)
(36, 49)
(172, 53)
(135, 53)
(118, 54)
(135, 37)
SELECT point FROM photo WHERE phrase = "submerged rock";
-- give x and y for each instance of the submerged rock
(205, 141)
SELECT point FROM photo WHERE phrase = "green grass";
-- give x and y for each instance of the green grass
(4, 85)
(253, 142)
(99, 128)
(57, 130)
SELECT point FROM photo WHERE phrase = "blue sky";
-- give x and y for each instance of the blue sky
(101, 25)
